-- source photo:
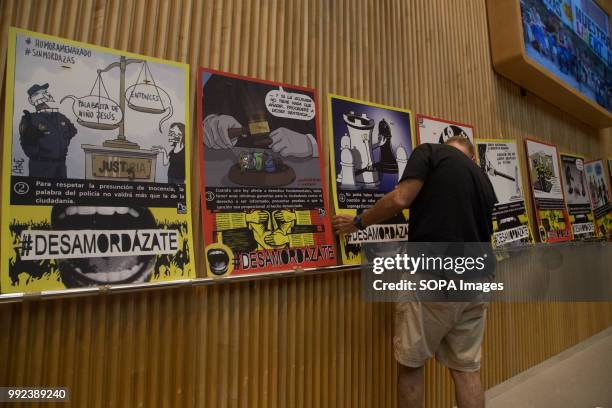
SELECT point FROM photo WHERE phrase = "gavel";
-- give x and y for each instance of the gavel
(257, 134)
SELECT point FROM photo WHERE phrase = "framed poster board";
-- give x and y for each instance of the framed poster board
(577, 197)
(436, 130)
(264, 204)
(548, 199)
(499, 159)
(369, 148)
(96, 187)
(557, 49)
(599, 193)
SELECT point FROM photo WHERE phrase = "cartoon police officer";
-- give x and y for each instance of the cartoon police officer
(45, 135)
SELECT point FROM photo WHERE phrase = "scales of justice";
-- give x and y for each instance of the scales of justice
(119, 158)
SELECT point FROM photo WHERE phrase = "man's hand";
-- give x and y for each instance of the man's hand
(386, 207)
(216, 131)
(343, 224)
(159, 149)
(290, 143)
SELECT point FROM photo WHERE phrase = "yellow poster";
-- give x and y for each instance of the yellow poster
(499, 159)
(576, 197)
(95, 183)
(369, 148)
(599, 194)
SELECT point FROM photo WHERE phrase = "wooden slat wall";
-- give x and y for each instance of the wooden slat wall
(292, 342)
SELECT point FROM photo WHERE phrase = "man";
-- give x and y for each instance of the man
(450, 200)
(175, 158)
(45, 135)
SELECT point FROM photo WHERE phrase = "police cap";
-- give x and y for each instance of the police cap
(35, 88)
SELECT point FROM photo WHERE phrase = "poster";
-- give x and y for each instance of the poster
(369, 148)
(599, 194)
(434, 130)
(499, 159)
(264, 204)
(577, 197)
(549, 202)
(96, 148)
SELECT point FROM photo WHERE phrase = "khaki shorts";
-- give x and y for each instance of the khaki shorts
(452, 331)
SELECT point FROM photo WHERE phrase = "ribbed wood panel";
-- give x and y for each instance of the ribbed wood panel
(292, 342)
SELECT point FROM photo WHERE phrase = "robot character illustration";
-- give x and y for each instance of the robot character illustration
(358, 169)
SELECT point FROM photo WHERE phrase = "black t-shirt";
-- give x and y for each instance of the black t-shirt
(176, 165)
(456, 201)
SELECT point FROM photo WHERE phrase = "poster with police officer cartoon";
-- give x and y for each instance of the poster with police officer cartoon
(264, 205)
(369, 149)
(436, 130)
(499, 159)
(575, 188)
(96, 153)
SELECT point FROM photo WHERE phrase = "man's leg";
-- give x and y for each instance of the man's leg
(468, 389)
(410, 387)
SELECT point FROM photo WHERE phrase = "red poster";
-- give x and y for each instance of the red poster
(436, 130)
(264, 204)
(548, 199)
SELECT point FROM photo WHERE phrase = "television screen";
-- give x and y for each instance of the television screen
(571, 39)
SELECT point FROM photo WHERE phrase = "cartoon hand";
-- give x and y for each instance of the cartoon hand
(290, 143)
(381, 141)
(260, 233)
(216, 131)
(277, 238)
(284, 216)
(257, 217)
(285, 220)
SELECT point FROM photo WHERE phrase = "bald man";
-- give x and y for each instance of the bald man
(450, 200)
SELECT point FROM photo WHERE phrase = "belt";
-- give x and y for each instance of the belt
(49, 160)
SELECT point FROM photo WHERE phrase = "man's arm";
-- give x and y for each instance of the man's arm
(72, 131)
(29, 134)
(385, 208)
